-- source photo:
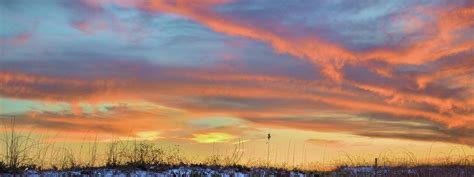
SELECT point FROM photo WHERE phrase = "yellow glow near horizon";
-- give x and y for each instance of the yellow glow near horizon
(214, 137)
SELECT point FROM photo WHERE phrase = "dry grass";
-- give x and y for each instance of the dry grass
(21, 150)
(17, 147)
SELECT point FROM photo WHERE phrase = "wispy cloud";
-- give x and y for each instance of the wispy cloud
(399, 70)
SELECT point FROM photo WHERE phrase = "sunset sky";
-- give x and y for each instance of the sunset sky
(326, 77)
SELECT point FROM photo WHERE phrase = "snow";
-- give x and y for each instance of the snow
(180, 171)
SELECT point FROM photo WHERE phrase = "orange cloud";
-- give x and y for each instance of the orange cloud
(443, 42)
(441, 39)
(73, 91)
(117, 121)
(318, 51)
(398, 97)
(206, 91)
(331, 56)
(21, 85)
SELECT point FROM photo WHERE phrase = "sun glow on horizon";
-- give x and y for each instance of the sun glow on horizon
(213, 137)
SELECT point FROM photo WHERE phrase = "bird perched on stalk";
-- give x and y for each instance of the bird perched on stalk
(268, 149)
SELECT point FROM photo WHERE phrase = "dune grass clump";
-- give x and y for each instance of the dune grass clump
(17, 148)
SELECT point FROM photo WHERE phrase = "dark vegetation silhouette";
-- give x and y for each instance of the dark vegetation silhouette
(22, 151)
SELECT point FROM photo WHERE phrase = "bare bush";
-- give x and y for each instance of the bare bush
(69, 160)
(174, 155)
(114, 154)
(17, 147)
(92, 151)
(144, 154)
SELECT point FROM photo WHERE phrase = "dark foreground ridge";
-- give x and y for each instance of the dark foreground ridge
(241, 171)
